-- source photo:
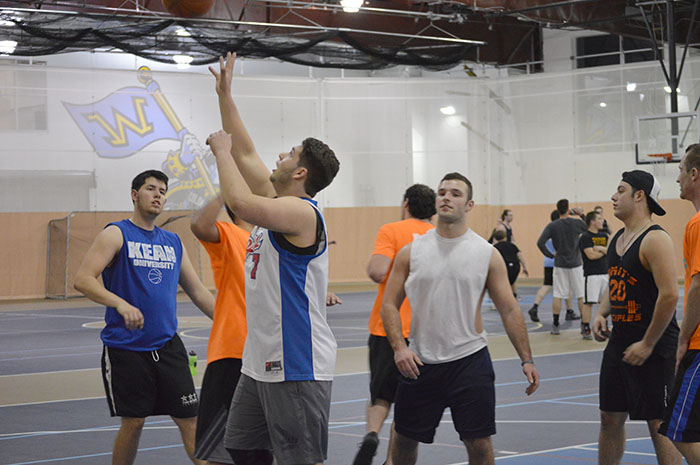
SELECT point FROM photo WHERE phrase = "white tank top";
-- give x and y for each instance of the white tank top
(444, 285)
(288, 336)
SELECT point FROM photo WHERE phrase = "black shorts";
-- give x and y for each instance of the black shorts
(157, 382)
(466, 386)
(639, 390)
(218, 386)
(548, 276)
(513, 271)
(384, 376)
(682, 417)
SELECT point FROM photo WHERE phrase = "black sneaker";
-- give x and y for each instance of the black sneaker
(533, 314)
(570, 316)
(586, 333)
(368, 448)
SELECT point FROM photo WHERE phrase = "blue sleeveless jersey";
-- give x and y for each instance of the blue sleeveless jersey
(145, 274)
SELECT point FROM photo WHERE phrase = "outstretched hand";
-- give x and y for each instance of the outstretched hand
(332, 299)
(225, 74)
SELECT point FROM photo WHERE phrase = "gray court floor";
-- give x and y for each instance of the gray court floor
(52, 409)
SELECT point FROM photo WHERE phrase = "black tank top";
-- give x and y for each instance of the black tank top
(633, 295)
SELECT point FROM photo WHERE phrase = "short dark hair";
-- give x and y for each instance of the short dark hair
(597, 207)
(590, 216)
(505, 213)
(320, 162)
(140, 178)
(421, 201)
(692, 158)
(691, 147)
(563, 206)
(459, 177)
(554, 215)
(499, 234)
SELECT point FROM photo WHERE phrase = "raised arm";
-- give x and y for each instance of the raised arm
(656, 254)
(512, 317)
(203, 223)
(101, 253)
(254, 171)
(194, 288)
(406, 360)
(289, 215)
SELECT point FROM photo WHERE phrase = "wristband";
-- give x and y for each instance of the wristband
(522, 364)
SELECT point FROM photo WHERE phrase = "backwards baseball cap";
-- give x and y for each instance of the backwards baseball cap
(646, 182)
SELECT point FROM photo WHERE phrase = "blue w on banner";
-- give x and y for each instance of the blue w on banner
(123, 123)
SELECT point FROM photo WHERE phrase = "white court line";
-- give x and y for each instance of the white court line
(526, 454)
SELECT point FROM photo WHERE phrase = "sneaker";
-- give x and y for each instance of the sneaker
(368, 448)
(570, 316)
(555, 330)
(586, 333)
(533, 314)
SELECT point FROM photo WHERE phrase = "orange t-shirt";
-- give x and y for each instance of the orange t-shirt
(229, 329)
(390, 239)
(691, 263)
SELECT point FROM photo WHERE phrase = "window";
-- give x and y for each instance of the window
(604, 50)
(23, 105)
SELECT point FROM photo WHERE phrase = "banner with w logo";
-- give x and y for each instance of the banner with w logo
(123, 123)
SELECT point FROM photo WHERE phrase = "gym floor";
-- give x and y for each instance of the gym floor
(53, 408)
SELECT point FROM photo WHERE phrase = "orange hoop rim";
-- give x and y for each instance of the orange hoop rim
(666, 156)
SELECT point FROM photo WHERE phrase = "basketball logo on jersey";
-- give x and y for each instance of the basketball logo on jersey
(155, 276)
(255, 241)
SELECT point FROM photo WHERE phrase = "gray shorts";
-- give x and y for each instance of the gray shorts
(289, 418)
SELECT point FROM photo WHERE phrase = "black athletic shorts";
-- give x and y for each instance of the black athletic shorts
(384, 376)
(513, 271)
(466, 386)
(218, 386)
(548, 276)
(682, 417)
(639, 390)
(156, 382)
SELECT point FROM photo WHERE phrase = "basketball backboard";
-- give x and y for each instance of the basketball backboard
(665, 136)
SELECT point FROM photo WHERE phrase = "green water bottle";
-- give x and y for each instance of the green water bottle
(193, 363)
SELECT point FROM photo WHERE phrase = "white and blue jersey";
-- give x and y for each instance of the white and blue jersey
(145, 274)
(288, 336)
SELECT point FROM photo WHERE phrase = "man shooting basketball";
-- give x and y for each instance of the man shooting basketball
(282, 401)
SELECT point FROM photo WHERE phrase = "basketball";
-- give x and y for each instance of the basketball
(188, 8)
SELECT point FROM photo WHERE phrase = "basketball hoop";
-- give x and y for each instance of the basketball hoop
(659, 161)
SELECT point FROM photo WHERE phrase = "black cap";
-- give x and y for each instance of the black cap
(649, 184)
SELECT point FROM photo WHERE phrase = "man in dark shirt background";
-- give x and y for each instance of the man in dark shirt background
(594, 249)
(568, 268)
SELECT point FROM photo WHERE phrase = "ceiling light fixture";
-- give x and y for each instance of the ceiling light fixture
(183, 61)
(603, 104)
(631, 86)
(448, 110)
(351, 6)
(7, 46)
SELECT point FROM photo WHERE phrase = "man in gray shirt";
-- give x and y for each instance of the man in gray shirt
(568, 266)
